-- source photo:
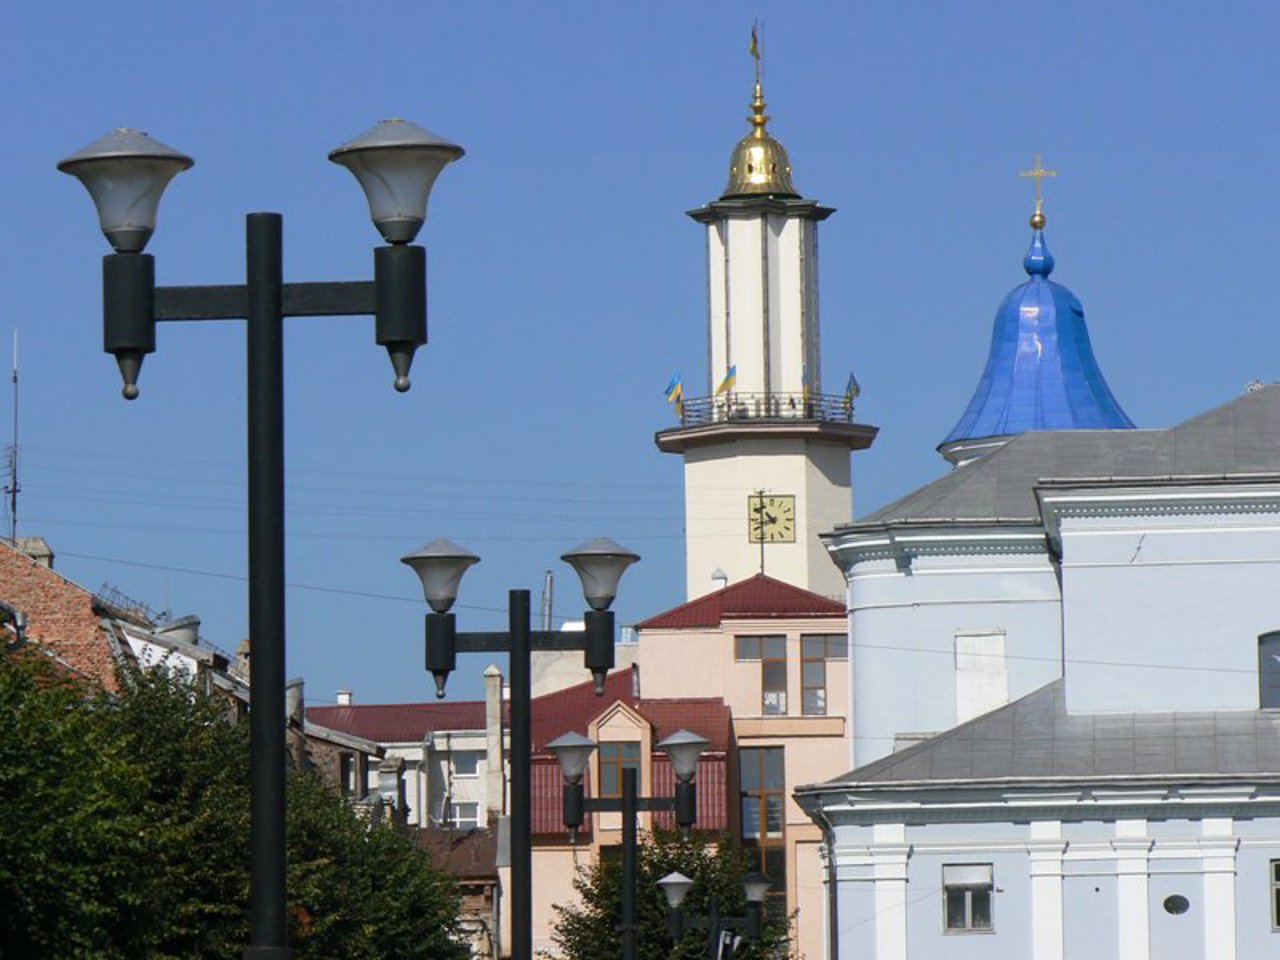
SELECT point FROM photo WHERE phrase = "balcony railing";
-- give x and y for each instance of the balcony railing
(734, 406)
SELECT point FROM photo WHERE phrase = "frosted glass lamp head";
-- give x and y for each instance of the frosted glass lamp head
(675, 886)
(126, 172)
(600, 564)
(572, 751)
(396, 163)
(756, 886)
(683, 748)
(440, 565)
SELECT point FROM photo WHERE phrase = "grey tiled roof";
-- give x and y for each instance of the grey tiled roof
(1239, 437)
(1035, 738)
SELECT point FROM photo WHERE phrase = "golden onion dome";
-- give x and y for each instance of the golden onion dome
(759, 165)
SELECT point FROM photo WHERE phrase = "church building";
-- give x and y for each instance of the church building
(1065, 662)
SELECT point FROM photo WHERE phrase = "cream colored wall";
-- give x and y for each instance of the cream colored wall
(718, 481)
(701, 663)
(553, 872)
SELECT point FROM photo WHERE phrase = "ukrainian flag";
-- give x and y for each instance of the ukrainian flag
(851, 391)
(729, 382)
(675, 395)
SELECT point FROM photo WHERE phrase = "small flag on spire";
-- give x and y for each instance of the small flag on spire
(675, 395)
(730, 380)
(755, 43)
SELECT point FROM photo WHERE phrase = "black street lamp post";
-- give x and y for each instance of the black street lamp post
(573, 750)
(440, 565)
(755, 887)
(126, 172)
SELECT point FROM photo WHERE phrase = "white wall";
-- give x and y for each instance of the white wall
(1165, 593)
(905, 613)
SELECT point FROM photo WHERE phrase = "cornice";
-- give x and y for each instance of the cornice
(903, 542)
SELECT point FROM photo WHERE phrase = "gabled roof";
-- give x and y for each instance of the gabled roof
(400, 722)
(463, 854)
(1035, 739)
(756, 598)
(575, 707)
(1239, 437)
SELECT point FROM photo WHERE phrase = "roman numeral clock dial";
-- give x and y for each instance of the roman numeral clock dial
(771, 518)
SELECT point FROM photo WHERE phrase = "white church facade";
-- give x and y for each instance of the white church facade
(1116, 586)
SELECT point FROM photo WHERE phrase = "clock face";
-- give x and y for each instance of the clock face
(771, 518)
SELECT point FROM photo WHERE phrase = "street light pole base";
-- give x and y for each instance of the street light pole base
(268, 953)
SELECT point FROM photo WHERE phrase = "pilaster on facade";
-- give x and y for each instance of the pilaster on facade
(1045, 851)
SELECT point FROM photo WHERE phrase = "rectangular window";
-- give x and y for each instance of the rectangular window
(1269, 671)
(466, 763)
(1275, 895)
(763, 793)
(966, 897)
(464, 816)
(773, 676)
(815, 650)
(614, 758)
(351, 775)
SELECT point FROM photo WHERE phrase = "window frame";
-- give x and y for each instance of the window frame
(969, 890)
(457, 823)
(1274, 866)
(766, 850)
(460, 774)
(823, 644)
(617, 763)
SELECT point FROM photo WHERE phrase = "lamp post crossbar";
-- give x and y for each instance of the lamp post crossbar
(231, 302)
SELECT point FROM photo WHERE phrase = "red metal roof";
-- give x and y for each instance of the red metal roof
(400, 722)
(757, 597)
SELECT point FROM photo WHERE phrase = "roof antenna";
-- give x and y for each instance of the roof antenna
(12, 487)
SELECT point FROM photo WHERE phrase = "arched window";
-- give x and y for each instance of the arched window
(1269, 671)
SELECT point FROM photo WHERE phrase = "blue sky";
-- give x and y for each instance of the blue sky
(566, 284)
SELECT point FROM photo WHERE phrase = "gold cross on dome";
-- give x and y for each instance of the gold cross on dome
(1039, 173)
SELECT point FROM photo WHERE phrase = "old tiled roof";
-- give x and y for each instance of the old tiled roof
(464, 854)
(1237, 438)
(757, 597)
(1034, 738)
(400, 722)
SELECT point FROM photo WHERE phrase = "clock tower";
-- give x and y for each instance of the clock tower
(766, 452)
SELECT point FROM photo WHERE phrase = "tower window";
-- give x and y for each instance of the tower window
(966, 897)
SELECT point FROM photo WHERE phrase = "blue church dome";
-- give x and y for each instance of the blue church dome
(1041, 373)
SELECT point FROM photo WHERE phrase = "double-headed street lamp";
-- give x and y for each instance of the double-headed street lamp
(755, 887)
(126, 172)
(683, 749)
(440, 565)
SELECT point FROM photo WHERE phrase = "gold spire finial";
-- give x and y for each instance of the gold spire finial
(759, 164)
(1039, 173)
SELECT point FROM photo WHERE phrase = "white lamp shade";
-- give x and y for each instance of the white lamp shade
(440, 565)
(396, 163)
(756, 886)
(126, 172)
(675, 885)
(572, 750)
(600, 564)
(684, 748)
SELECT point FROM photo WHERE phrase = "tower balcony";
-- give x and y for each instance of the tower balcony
(732, 416)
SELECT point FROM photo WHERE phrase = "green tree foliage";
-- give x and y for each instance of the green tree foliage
(588, 930)
(124, 834)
